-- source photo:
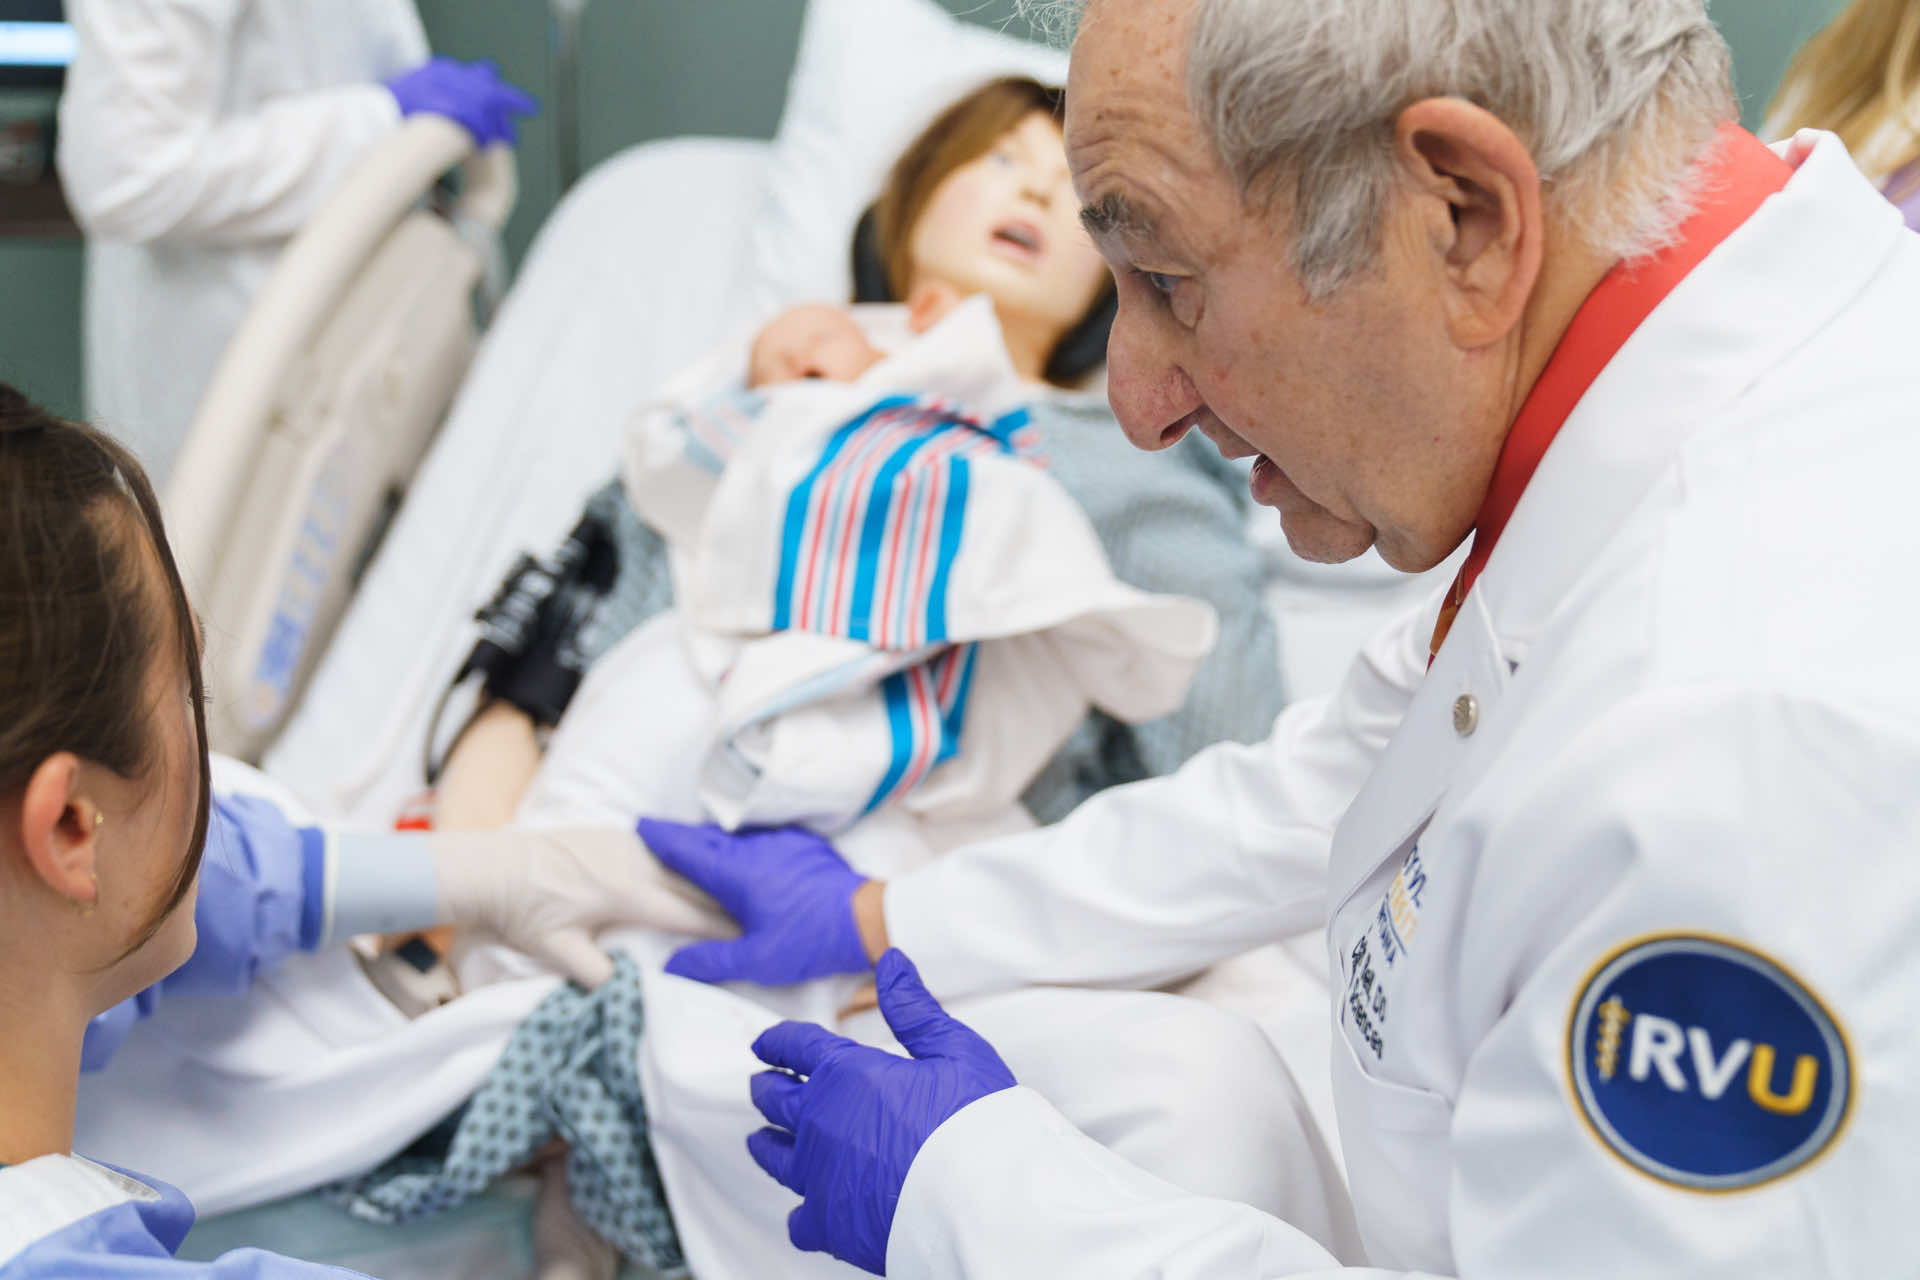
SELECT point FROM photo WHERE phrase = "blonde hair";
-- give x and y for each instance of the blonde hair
(1860, 78)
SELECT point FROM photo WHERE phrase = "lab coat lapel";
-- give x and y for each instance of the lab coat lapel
(1463, 687)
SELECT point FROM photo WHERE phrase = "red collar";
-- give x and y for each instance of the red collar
(1744, 173)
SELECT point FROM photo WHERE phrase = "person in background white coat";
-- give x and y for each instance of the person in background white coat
(196, 137)
(1615, 842)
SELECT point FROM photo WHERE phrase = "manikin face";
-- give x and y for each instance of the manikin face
(1369, 424)
(1007, 225)
(814, 341)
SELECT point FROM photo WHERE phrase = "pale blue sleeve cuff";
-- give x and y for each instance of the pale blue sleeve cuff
(375, 882)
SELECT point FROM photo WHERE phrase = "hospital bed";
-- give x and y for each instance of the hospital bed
(656, 256)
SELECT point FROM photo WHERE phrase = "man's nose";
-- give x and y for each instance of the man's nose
(1152, 397)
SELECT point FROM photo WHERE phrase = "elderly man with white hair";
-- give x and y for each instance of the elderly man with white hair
(1615, 843)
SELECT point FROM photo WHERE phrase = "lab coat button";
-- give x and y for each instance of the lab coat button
(1466, 715)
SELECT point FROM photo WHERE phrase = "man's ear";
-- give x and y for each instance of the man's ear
(58, 829)
(1491, 240)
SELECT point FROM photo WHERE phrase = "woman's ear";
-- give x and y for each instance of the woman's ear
(58, 829)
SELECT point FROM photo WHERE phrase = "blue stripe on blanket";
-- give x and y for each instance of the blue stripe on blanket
(1009, 425)
(869, 536)
(932, 738)
(893, 691)
(953, 715)
(882, 503)
(798, 502)
(952, 520)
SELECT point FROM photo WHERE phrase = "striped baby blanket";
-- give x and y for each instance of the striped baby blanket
(894, 601)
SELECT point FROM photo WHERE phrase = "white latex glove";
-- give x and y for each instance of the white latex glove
(545, 891)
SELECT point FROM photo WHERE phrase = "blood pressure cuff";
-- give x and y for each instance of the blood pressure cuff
(531, 651)
(552, 618)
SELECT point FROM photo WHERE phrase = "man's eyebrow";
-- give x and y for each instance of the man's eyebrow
(1114, 216)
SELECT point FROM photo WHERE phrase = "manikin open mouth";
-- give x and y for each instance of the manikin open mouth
(1022, 235)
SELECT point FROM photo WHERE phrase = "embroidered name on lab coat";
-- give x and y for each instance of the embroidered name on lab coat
(1705, 1064)
(1381, 948)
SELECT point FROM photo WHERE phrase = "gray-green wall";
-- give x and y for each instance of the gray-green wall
(655, 69)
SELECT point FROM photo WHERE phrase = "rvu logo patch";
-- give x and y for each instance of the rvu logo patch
(1706, 1064)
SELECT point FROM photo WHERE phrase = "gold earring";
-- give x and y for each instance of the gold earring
(99, 819)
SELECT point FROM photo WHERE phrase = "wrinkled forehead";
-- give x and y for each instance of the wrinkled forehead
(1128, 48)
(1137, 153)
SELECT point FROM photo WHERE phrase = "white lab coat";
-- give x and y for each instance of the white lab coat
(196, 136)
(1695, 710)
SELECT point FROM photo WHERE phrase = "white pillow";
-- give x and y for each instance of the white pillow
(869, 76)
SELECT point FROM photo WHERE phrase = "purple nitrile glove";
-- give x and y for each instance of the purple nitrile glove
(471, 94)
(845, 1137)
(786, 888)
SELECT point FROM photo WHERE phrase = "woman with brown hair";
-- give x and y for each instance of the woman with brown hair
(1860, 78)
(105, 808)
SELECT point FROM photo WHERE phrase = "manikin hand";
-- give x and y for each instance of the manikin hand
(845, 1136)
(791, 893)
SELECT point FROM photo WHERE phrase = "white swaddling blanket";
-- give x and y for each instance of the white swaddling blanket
(868, 569)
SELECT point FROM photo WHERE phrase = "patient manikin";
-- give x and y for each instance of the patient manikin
(980, 204)
(980, 240)
(867, 556)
